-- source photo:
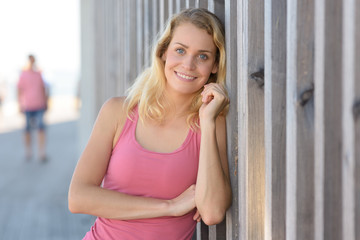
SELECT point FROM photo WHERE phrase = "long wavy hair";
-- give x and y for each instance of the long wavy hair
(148, 91)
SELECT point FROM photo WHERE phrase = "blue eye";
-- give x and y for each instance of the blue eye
(180, 50)
(203, 56)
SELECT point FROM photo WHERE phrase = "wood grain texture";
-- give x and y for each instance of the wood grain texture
(332, 121)
(348, 122)
(232, 216)
(275, 119)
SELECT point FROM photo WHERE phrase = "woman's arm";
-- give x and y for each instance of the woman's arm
(88, 197)
(213, 190)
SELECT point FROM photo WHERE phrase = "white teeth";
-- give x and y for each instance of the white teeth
(184, 76)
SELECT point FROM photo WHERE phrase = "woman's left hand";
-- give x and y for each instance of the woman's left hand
(214, 100)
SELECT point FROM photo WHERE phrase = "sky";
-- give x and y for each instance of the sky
(49, 29)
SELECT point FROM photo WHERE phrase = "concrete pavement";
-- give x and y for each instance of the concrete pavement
(33, 195)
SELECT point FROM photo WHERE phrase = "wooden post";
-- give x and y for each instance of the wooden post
(329, 121)
(251, 119)
(275, 119)
(300, 121)
(348, 123)
(88, 83)
(131, 41)
(356, 117)
(232, 215)
(139, 36)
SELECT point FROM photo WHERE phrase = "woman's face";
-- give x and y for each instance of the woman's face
(189, 59)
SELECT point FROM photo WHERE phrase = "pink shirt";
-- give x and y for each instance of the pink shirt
(32, 91)
(140, 172)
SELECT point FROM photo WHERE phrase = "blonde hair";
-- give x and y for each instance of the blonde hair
(148, 91)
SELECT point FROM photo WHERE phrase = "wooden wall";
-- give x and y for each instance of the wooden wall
(293, 77)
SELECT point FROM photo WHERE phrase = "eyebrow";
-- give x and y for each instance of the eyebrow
(185, 46)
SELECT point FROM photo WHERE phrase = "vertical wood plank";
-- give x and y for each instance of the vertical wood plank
(197, 3)
(178, 5)
(275, 119)
(328, 148)
(131, 43)
(147, 31)
(164, 13)
(232, 215)
(191, 4)
(348, 134)
(211, 5)
(87, 68)
(251, 119)
(203, 4)
(356, 116)
(242, 55)
(171, 7)
(332, 121)
(319, 118)
(300, 121)
(155, 19)
(140, 36)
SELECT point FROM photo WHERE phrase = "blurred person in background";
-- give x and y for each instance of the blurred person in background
(32, 97)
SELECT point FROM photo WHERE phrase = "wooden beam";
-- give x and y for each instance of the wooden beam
(275, 119)
(232, 215)
(300, 121)
(251, 119)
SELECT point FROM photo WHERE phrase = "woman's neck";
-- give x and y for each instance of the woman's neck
(179, 104)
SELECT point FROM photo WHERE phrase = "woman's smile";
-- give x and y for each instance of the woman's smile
(184, 77)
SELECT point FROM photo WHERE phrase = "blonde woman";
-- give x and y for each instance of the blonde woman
(156, 161)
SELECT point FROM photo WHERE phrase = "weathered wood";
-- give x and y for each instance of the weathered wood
(130, 50)
(147, 31)
(300, 121)
(190, 4)
(356, 102)
(164, 13)
(140, 36)
(348, 134)
(88, 81)
(275, 119)
(232, 215)
(251, 119)
(203, 4)
(332, 120)
(319, 118)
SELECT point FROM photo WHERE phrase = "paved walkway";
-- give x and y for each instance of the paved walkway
(33, 196)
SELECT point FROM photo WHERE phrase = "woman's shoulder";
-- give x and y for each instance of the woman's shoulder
(114, 109)
(115, 104)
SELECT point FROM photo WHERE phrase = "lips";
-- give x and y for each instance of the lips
(184, 77)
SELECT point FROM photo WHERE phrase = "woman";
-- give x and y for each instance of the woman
(154, 178)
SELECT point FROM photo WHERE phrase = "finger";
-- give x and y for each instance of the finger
(211, 93)
(197, 215)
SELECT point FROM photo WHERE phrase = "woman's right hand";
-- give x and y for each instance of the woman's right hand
(184, 203)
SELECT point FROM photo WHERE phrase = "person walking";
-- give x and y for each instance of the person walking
(32, 97)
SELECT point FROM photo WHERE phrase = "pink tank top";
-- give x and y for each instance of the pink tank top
(137, 171)
(31, 86)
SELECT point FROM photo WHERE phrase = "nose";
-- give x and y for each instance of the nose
(189, 63)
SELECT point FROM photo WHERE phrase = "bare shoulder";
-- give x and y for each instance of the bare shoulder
(115, 110)
(115, 104)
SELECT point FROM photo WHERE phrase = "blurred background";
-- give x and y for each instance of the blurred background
(33, 194)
